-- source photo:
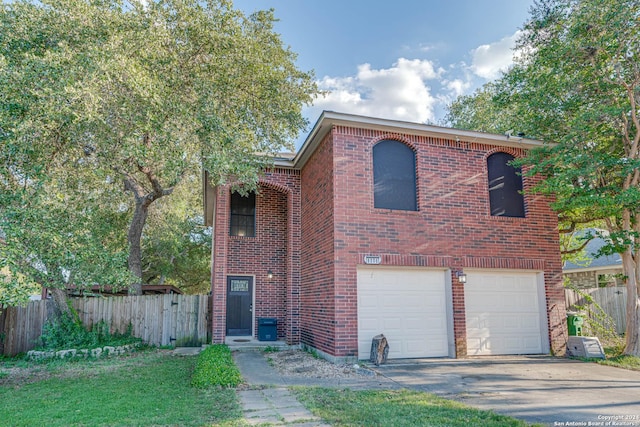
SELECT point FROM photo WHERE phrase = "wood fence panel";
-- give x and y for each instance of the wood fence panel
(166, 319)
(612, 300)
(161, 320)
(22, 326)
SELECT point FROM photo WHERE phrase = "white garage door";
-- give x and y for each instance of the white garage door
(408, 306)
(505, 313)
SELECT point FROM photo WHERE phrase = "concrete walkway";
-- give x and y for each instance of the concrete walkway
(276, 406)
(268, 401)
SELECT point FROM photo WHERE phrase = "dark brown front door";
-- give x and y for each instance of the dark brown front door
(239, 305)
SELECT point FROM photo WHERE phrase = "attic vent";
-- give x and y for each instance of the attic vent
(372, 259)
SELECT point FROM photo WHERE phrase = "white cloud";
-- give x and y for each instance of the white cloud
(457, 87)
(414, 90)
(489, 60)
(400, 92)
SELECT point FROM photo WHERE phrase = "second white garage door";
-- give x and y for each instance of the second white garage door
(408, 306)
(505, 313)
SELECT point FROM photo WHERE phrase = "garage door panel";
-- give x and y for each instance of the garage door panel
(531, 342)
(368, 300)
(502, 313)
(407, 306)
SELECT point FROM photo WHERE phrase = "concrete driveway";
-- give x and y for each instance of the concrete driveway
(553, 391)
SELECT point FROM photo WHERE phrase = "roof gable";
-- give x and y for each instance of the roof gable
(329, 119)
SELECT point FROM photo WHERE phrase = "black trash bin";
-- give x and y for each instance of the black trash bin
(267, 329)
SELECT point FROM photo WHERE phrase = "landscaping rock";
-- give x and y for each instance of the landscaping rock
(63, 354)
(298, 363)
(85, 352)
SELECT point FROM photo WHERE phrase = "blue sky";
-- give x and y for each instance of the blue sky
(403, 59)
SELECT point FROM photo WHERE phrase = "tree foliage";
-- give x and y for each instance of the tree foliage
(135, 95)
(176, 246)
(576, 82)
(65, 230)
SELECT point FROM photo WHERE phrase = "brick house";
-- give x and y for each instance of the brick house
(596, 271)
(380, 226)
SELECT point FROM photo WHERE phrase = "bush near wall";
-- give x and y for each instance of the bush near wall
(215, 367)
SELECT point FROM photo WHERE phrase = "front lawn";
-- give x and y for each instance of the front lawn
(156, 388)
(395, 408)
(151, 388)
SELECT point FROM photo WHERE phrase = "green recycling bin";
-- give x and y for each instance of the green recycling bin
(575, 321)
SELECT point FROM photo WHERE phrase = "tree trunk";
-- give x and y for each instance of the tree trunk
(630, 263)
(60, 303)
(143, 200)
(632, 346)
(134, 240)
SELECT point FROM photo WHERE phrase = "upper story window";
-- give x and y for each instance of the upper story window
(394, 176)
(243, 215)
(505, 186)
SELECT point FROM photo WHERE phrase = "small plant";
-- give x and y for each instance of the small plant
(215, 367)
(167, 347)
(313, 352)
(271, 349)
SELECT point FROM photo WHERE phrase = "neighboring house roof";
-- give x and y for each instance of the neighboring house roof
(593, 263)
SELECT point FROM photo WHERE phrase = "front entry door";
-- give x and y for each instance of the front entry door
(239, 305)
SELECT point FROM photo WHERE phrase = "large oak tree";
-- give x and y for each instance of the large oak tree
(133, 96)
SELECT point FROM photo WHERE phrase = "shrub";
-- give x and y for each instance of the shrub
(66, 332)
(215, 367)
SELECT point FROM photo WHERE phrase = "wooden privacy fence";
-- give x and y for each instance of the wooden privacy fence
(169, 319)
(612, 300)
(20, 327)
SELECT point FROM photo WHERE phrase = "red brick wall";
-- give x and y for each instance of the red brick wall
(317, 314)
(275, 247)
(453, 227)
(314, 229)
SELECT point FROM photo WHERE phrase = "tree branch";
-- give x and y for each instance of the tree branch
(576, 250)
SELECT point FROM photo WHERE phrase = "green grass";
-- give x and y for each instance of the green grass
(623, 361)
(215, 367)
(148, 389)
(616, 358)
(394, 409)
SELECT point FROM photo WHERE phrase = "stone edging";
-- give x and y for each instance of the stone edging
(84, 353)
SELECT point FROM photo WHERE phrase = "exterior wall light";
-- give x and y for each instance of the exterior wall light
(270, 274)
(462, 277)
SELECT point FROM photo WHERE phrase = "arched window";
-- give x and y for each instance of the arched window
(394, 176)
(505, 186)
